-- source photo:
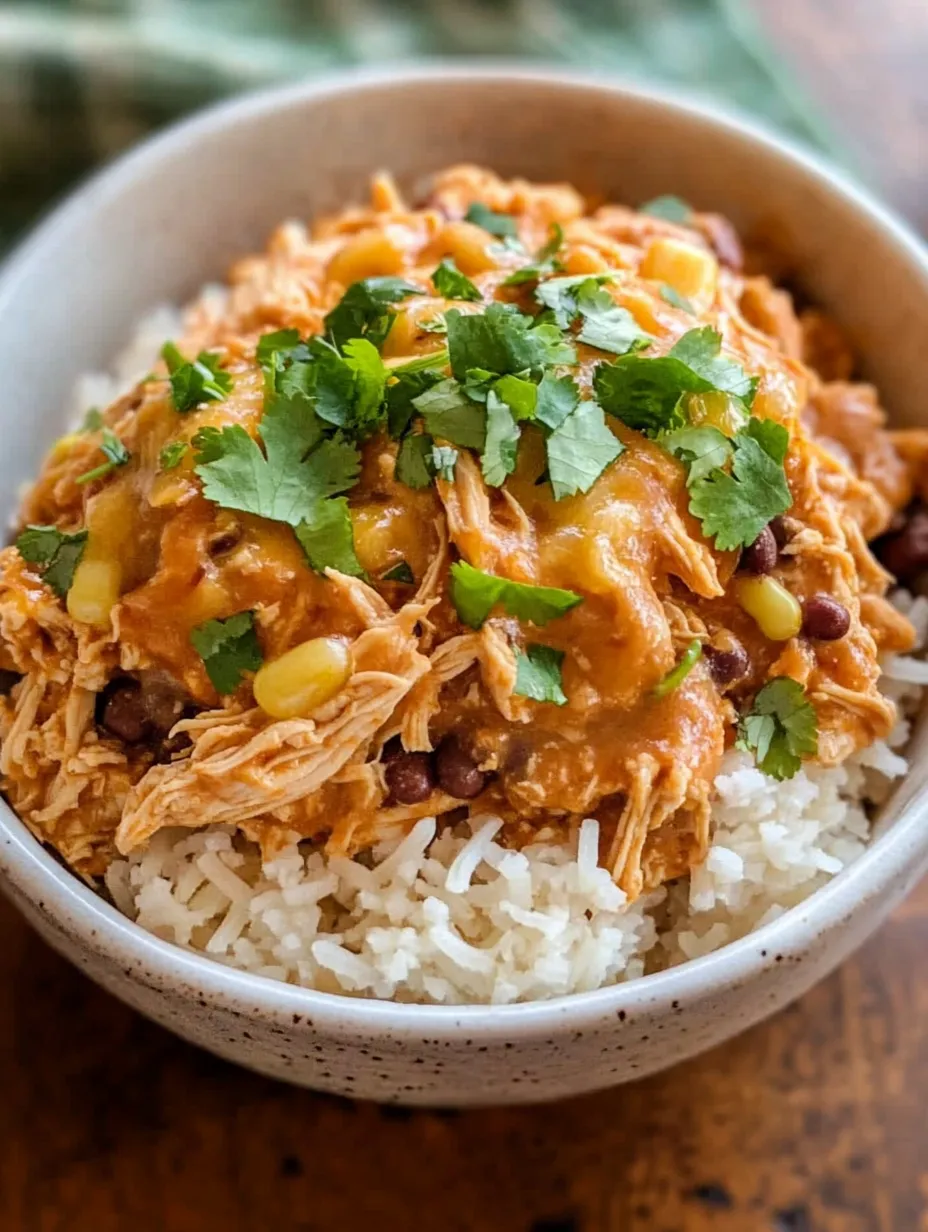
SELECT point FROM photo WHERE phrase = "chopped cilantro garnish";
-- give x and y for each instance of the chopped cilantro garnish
(444, 459)
(545, 261)
(92, 421)
(452, 284)
(171, 454)
(538, 674)
(606, 325)
(678, 674)
(284, 484)
(327, 537)
(734, 508)
(400, 572)
(674, 298)
(580, 449)
(668, 207)
(228, 648)
(414, 465)
(646, 393)
(475, 594)
(502, 442)
(449, 414)
(270, 345)
(556, 398)
(57, 554)
(401, 392)
(559, 295)
(422, 363)
(503, 340)
(702, 449)
(434, 325)
(196, 381)
(364, 310)
(481, 215)
(780, 728)
(116, 454)
(519, 394)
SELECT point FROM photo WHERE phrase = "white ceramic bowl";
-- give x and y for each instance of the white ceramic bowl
(171, 216)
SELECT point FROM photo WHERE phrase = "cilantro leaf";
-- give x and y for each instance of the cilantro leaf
(502, 340)
(538, 674)
(327, 538)
(92, 421)
(481, 215)
(519, 394)
(646, 393)
(370, 379)
(170, 456)
(475, 594)
(702, 449)
(668, 207)
(116, 453)
(449, 414)
(414, 465)
(559, 295)
(444, 460)
(556, 398)
(452, 284)
(679, 673)
(700, 350)
(400, 396)
(345, 389)
(544, 263)
(269, 345)
(285, 484)
(606, 325)
(400, 572)
(364, 310)
(673, 297)
(228, 648)
(502, 442)
(57, 554)
(734, 508)
(580, 450)
(194, 382)
(780, 728)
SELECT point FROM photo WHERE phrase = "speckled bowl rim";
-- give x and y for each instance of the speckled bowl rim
(899, 852)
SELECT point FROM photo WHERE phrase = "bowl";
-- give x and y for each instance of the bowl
(171, 216)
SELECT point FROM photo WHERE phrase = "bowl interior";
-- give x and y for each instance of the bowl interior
(175, 214)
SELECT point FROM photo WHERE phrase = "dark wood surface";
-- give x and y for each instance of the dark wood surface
(813, 1122)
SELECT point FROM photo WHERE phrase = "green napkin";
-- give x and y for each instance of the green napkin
(82, 79)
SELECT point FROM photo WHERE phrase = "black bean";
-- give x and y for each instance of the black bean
(824, 618)
(410, 778)
(121, 710)
(726, 663)
(761, 556)
(906, 554)
(457, 770)
(780, 531)
(163, 703)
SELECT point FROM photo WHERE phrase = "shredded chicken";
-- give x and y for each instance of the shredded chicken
(419, 681)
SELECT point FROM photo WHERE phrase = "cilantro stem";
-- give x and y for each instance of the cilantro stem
(98, 472)
(678, 674)
(434, 359)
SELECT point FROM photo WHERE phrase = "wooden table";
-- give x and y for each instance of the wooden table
(814, 1121)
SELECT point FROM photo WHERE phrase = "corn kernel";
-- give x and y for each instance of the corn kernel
(94, 591)
(303, 678)
(776, 611)
(717, 410)
(469, 245)
(365, 255)
(111, 520)
(691, 271)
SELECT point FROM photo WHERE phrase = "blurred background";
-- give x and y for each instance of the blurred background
(813, 1122)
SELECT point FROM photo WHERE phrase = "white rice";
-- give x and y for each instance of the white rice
(448, 915)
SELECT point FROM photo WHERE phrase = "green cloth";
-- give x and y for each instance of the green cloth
(82, 79)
